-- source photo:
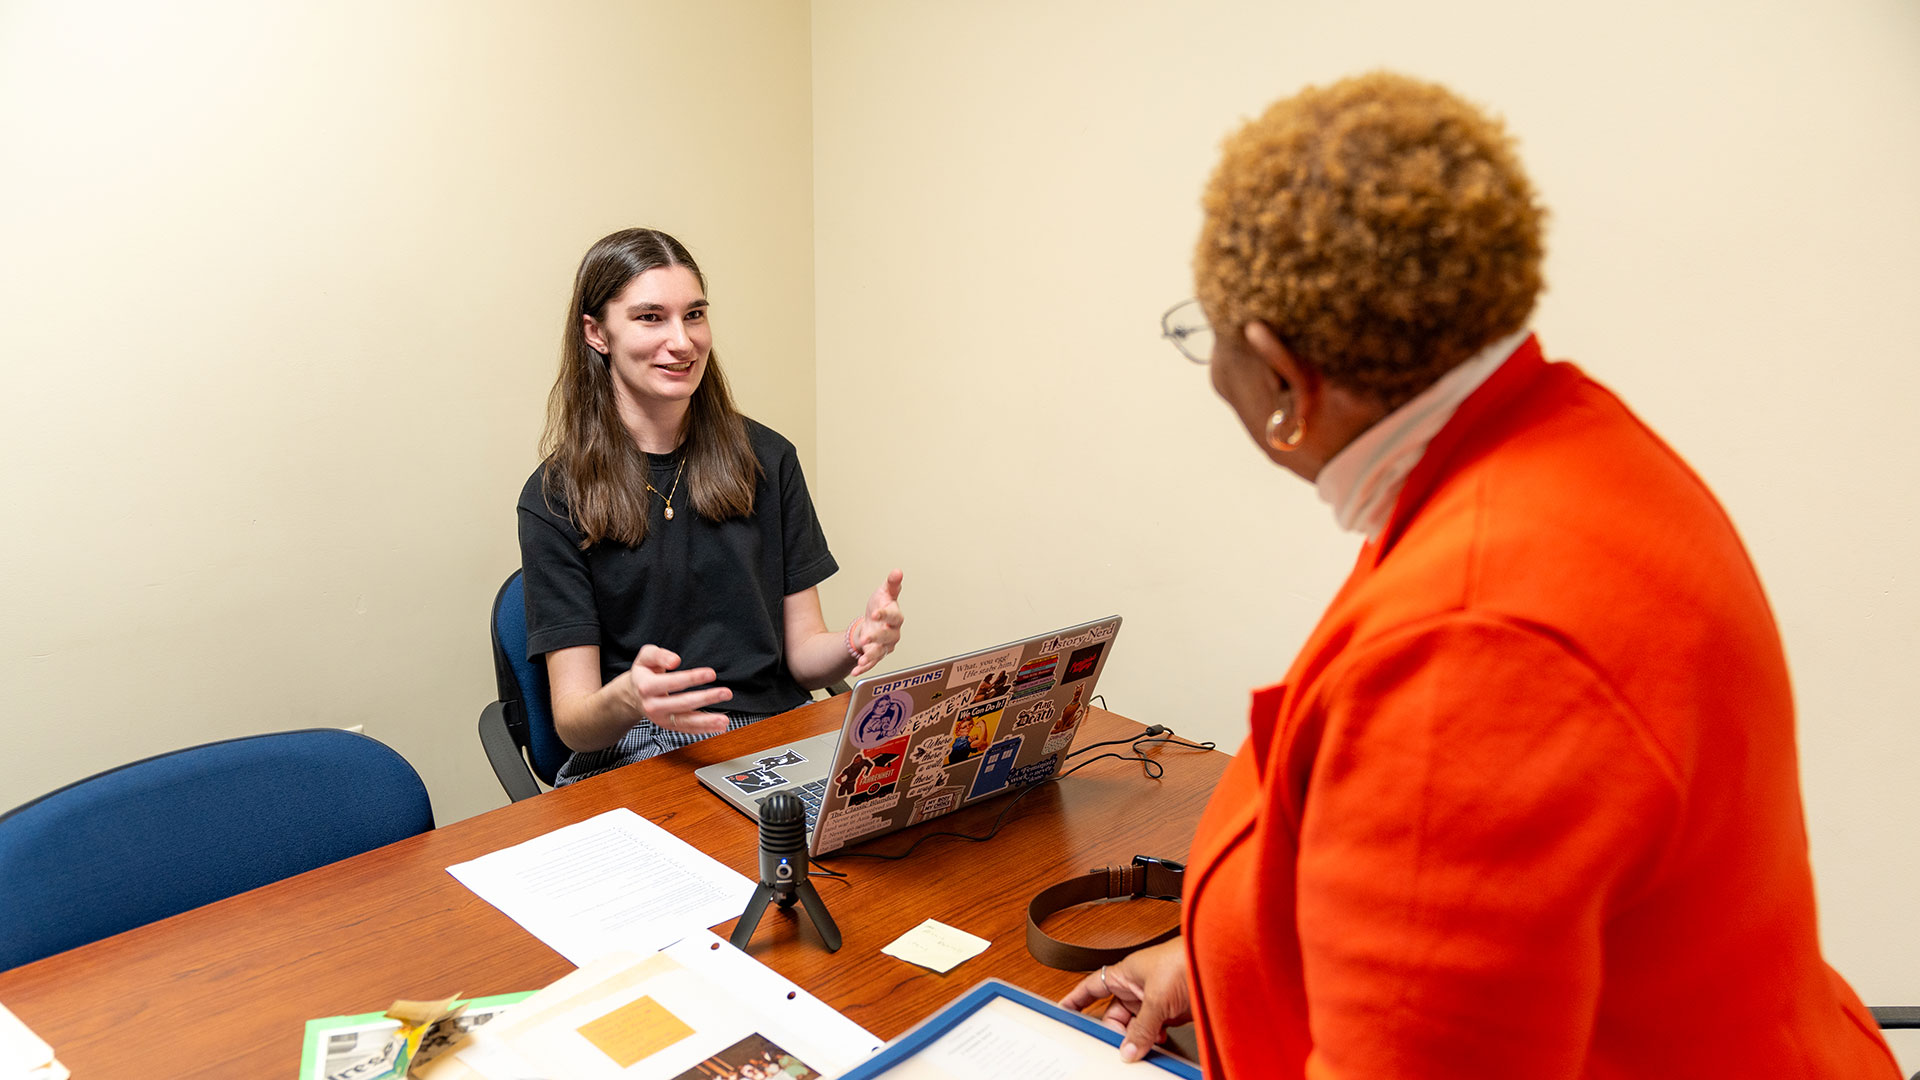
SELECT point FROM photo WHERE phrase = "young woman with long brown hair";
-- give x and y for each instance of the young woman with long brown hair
(671, 551)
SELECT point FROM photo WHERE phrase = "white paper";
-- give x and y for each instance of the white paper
(24, 1054)
(936, 945)
(720, 993)
(613, 882)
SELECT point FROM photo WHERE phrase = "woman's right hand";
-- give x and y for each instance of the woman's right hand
(657, 690)
(1150, 992)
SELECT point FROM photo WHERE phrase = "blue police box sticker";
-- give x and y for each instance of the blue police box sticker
(884, 718)
(996, 767)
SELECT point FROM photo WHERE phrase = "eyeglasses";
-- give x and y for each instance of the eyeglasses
(1185, 324)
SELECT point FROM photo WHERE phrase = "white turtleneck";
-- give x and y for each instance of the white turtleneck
(1363, 480)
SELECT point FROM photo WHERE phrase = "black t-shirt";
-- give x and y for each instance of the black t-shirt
(710, 591)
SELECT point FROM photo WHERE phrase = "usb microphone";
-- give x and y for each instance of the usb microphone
(783, 871)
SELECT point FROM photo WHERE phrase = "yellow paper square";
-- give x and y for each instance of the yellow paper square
(634, 1031)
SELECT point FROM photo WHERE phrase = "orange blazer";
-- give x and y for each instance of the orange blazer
(1527, 803)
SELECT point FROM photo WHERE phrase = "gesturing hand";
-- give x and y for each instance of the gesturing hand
(666, 696)
(874, 634)
(1149, 990)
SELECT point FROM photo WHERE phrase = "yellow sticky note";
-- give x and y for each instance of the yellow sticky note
(634, 1031)
(936, 945)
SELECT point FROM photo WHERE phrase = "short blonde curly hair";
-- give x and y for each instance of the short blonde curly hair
(1381, 226)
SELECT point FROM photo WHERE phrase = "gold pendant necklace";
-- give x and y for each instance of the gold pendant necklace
(668, 497)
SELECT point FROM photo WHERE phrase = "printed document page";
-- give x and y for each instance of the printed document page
(1005, 1038)
(610, 883)
(698, 1010)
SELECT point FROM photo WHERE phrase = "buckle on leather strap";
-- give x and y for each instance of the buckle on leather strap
(1147, 877)
(1173, 872)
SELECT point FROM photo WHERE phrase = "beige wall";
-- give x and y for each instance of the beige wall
(282, 290)
(1006, 199)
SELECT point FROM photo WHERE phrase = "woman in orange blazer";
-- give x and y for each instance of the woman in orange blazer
(1527, 803)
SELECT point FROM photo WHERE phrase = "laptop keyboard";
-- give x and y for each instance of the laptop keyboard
(810, 797)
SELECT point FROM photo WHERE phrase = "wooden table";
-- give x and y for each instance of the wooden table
(225, 990)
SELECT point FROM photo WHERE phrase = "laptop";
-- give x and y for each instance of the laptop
(923, 742)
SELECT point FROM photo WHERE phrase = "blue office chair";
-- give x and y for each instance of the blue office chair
(517, 730)
(144, 841)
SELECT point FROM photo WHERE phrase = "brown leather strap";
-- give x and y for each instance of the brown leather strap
(1147, 877)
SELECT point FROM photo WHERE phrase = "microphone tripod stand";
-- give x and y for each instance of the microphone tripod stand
(783, 871)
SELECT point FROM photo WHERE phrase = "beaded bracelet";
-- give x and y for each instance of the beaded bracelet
(851, 651)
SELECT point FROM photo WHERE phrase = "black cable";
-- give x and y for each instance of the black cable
(1154, 770)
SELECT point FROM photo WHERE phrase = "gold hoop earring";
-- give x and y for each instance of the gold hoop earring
(1278, 423)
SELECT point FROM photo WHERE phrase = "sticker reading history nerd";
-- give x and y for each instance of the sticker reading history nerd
(884, 718)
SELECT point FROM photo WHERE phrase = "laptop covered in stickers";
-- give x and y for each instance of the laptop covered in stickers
(925, 741)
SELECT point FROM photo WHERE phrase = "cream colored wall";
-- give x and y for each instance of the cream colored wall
(1006, 199)
(282, 290)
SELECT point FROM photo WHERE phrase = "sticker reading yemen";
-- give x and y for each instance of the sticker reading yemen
(996, 767)
(943, 712)
(1081, 663)
(884, 718)
(976, 668)
(1039, 712)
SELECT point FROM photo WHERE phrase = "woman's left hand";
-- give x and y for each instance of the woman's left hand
(874, 634)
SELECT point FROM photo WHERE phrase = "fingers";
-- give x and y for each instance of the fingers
(669, 697)
(1149, 990)
(886, 599)
(660, 684)
(1090, 989)
(655, 658)
(693, 723)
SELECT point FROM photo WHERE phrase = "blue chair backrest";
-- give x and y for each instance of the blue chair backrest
(523, 682)
(144, 841)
